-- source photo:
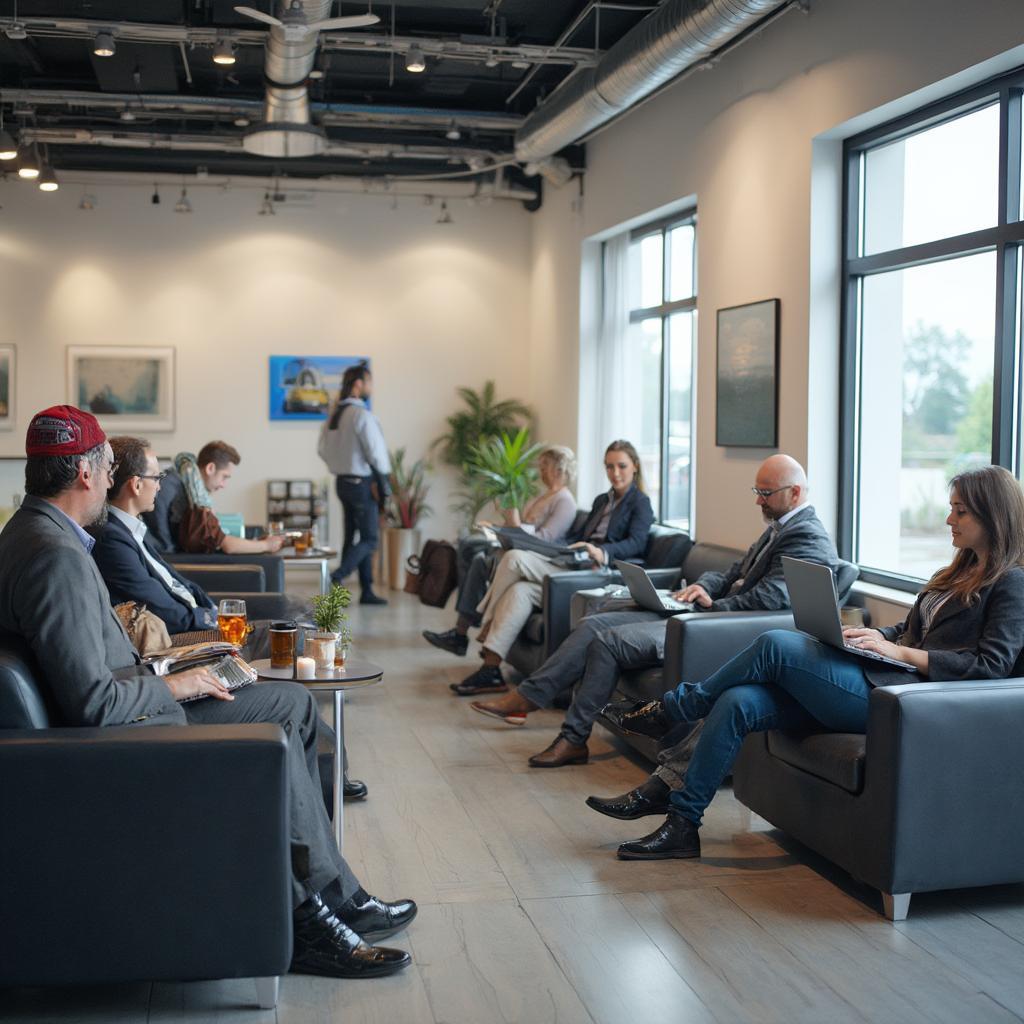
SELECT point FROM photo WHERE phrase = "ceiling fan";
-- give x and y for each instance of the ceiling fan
(295, 26)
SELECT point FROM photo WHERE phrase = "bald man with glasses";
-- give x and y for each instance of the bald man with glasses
(607, 644)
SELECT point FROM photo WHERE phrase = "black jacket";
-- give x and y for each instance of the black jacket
(129, 577)
(164, 522)
(764, 583)
(628, 527)
(984, 640)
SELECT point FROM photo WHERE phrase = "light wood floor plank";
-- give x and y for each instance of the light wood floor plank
(231, 1001)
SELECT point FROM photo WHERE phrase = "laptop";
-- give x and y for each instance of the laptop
(643, 591)
(812, 593)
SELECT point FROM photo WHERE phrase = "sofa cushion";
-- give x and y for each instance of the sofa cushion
(836, 757)
(666, 547)
(534, 628)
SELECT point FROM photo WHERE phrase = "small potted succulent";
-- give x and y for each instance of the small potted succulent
(328, 616)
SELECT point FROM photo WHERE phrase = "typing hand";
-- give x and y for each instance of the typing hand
(694, 593)
(872, 640)
(596, 554)
(196, 682)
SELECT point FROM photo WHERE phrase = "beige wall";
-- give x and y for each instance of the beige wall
(433, 306)
(740, 138)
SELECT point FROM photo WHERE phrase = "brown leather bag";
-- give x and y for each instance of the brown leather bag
(439, 573)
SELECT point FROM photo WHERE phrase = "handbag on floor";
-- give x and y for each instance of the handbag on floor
(438, 573)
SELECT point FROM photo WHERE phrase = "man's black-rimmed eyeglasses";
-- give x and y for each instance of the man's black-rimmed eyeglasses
(152, 476)
(764, 492)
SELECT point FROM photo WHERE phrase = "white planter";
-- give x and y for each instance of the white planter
(400, 545)
(320, 647)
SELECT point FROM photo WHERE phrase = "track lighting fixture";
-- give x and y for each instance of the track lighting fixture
(48, 180)
(444, 217)
(453, 134)
(242, 122)
(155, 197)
(8, 149)
(491, 62)
(415, 61)
(224, 51)
(28, 163)
(267, 208)
(183, 205)
(87, 202)
(103, 45)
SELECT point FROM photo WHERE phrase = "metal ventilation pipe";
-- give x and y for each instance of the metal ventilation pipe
(672, 38)
(287, 129)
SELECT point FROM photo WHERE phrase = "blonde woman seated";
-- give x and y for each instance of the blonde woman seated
(548, 516)
(617, 527)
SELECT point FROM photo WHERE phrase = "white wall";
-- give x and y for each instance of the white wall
(740, 138)
(433, 306)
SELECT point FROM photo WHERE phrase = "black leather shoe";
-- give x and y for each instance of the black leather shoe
(649, 798)
(354, 789)
(369, 597)
(326, 945)
(641, 718)
(450, 640)
(373, 918)
(676, 837)
(486, 679)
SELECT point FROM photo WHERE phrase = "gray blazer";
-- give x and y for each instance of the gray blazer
(764, 583)
(52, 595)
(984, 640)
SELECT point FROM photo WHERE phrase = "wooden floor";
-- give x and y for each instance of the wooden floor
(526, 916)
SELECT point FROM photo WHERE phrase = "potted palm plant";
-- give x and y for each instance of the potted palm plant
(329, 618)
(406, 506)
(506, 470)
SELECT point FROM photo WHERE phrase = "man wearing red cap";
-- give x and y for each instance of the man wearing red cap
(52, 595)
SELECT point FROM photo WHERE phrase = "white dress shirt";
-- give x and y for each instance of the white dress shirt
(137, 528)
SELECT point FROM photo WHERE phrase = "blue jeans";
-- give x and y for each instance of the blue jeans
(783, 680)
(360, 517)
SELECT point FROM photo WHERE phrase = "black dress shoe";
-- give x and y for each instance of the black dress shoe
(649, 798)
(641, 718)
(486, 679)
(450, 640)
(327, 946)
(369, 597)
(676, 837)
(354, 790)
(373, 918)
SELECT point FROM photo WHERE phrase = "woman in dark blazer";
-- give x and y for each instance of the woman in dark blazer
(967, 623)
(616, 528)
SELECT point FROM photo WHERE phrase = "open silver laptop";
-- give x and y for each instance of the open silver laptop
(812, 593)
(643, 591)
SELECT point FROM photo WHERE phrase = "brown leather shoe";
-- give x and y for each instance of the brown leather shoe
(560, 753)
(511, 709)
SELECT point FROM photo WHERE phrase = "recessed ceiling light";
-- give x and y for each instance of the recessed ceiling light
(415, 61)
(103, 45)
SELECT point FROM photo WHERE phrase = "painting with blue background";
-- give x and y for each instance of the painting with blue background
(303, 387)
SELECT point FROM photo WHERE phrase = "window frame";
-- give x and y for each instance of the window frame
(664, 311)
(1005, 238)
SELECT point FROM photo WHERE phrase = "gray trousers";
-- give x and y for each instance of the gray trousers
(316, 861)
(596, 652)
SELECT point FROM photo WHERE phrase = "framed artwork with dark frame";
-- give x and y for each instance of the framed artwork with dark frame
(126, 387)
(747, 382)
(8, 382)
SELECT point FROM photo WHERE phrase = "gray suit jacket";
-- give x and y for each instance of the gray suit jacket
(764, 583)
(52, 595)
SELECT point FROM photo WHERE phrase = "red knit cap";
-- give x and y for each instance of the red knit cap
(63, 430)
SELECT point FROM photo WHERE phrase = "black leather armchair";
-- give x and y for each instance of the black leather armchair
(136, 853)
(547, 628)
(931, 798)
(272, 565)
(245, 579)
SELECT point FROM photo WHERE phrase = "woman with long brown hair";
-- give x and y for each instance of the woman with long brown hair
(967, 623)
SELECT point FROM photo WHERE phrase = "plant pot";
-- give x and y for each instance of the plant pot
(401, 544)
(320, 647)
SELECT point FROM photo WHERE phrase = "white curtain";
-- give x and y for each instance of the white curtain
(609, 378)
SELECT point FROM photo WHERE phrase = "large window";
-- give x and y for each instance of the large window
(932, 324)
(662, 302)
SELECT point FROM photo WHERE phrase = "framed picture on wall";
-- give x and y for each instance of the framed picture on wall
(302, 387)
(8, 377)
(127, 388)
(747, 391)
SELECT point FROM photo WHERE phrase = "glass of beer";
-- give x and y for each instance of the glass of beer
(304, 542)
(282, 644)
(232, 621)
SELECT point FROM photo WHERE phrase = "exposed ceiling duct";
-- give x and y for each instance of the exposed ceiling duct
(671, 39)
(287, 129)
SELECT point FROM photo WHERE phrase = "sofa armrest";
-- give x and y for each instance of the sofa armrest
(699, 643)
(944, 777)
(241, 578)
(162, 852)
(558, 590)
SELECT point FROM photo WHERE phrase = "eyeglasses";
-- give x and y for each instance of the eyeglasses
(152, 476)
(764, 492)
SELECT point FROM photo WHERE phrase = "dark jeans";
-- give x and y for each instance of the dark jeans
(360, 517)
(783, 680)
(474, 583)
